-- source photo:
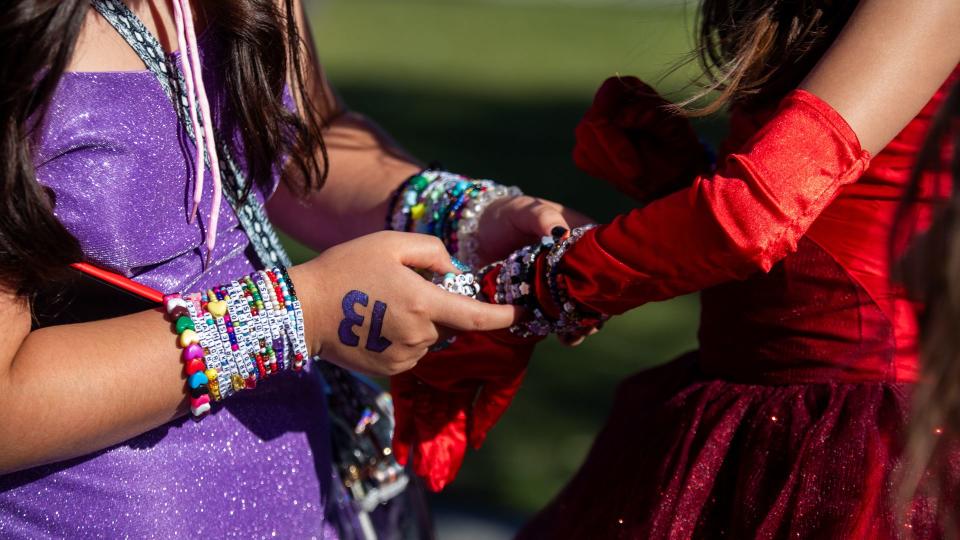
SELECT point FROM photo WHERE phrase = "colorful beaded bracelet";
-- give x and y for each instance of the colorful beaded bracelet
(237, 334)
(448, 206)
(193, 354)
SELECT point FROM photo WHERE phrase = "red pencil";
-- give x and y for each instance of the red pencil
(119, 281)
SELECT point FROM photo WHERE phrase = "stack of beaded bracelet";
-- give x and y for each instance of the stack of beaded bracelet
(237, 334)
(572, 320)
(515, 285)
(448, 206)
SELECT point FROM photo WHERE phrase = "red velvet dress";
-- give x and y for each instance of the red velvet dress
(786, 422)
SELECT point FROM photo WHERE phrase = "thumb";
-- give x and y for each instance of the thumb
(539, 219)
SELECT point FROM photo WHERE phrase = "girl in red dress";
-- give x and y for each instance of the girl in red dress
(787, 421)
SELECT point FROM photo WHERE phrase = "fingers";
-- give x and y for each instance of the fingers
(571, 341)
(576, 340)
(540, 219)
(425, 252)
(571, 217)
(462, 313)
(576, 219)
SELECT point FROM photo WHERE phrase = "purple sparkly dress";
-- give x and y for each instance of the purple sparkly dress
(119, 164)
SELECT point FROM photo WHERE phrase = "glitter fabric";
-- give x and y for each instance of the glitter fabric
(120, 166)
(786, 423)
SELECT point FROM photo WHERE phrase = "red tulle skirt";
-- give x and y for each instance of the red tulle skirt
(684, 455)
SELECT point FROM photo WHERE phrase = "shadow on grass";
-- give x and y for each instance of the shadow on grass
(565, 399)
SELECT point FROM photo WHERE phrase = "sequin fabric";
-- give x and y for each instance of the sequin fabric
(120, 166)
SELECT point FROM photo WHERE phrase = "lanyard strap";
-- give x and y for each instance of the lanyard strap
(250, 214)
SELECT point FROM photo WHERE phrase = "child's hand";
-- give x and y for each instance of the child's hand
(511, 223)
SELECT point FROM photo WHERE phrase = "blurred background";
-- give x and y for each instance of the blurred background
(494, 89)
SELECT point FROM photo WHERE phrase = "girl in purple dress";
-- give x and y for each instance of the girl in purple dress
(100, 162)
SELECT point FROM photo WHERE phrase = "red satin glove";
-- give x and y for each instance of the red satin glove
(631, 139)
(743, 219)
(454, 397)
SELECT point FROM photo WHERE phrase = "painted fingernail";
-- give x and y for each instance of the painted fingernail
(558, 232)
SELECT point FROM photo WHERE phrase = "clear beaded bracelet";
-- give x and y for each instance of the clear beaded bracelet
(448, 206)
(237, 334)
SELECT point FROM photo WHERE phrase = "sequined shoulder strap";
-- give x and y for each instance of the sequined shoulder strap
(251, 215)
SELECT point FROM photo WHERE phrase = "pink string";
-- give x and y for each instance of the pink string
(193, 52)
(192, 101)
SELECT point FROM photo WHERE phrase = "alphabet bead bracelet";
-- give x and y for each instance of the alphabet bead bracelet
(234, 335)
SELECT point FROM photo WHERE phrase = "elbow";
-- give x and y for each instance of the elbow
(8, 465)
(762, 253)
(12, 442)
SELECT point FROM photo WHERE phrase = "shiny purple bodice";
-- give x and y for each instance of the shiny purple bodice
(120, 165)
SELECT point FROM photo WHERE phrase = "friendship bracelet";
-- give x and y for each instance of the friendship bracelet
(193, 354)
(237, 334)
(260, 332)
(213, 355)
(515, 286)
(465, 284)
(467, 245)
(448, 206)
(515, 280)
(571, 321)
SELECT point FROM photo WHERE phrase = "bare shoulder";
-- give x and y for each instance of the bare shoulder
(100, 48)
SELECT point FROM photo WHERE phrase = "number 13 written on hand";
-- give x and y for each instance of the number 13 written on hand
(375, 342)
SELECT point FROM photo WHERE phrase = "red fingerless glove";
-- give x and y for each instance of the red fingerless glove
(743, 219)
(630, 138)
(455, 396)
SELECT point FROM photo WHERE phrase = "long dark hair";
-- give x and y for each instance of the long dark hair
(753, 52)
(930, 268)
(37, 39)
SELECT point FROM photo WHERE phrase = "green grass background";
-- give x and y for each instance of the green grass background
(494, 89)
